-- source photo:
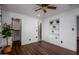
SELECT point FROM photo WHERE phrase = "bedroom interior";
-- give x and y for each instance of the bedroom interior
(40, 29)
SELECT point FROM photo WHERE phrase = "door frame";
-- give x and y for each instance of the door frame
(40, 32)
(13, 18)
(77, 31)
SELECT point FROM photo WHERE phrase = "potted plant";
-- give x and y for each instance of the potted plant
(6, 31)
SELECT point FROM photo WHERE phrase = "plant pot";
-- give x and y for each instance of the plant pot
(7, 49)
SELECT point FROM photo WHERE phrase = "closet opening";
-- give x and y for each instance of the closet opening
(16, 26)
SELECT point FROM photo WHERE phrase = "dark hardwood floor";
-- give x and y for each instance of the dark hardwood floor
(39, 48)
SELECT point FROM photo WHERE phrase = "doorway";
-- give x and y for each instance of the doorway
(16, 26)
(40, 32)
(78, 35)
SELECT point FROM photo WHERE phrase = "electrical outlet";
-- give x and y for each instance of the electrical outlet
(61, 41)
(56, 37)
(36, 37)
(29, 39)
(72, 29)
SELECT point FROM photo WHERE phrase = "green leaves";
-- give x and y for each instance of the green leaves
(6, 30)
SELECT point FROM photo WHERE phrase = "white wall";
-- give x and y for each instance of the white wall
(29, 26)
(67, 22)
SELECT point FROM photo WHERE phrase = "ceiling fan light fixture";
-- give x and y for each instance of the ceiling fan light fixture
(45, 7)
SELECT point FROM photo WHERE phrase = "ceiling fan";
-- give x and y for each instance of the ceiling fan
(44, 7)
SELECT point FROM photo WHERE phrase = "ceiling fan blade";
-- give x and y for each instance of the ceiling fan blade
(38, 9)
(42, 5)
(39, 5)
(51, 7)
(44, 10)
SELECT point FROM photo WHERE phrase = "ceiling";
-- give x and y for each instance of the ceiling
(29, 9)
